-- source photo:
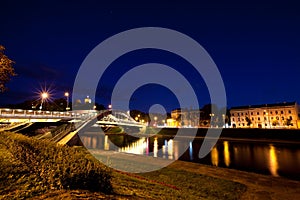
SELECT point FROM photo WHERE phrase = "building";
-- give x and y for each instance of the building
(184, 118)
(279, 115)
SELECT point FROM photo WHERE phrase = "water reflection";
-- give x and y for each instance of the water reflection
(137, 147)
(273, 163)
(273, 159)
(226, 153)
(214, 156)
(106, 144)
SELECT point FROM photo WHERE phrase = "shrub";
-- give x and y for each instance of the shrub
(31, 167)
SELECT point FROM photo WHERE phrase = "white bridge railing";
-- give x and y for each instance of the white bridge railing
(19, 113)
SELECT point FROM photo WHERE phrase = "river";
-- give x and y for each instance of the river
(275, 159)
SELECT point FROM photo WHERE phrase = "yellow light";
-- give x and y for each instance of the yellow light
(226, 153)
(44, 95)
(66, 94)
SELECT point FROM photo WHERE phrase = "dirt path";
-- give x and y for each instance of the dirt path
(258, 186)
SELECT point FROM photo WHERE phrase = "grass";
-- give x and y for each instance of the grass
(39, 169)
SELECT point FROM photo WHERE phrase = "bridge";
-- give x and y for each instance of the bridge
(13, 118)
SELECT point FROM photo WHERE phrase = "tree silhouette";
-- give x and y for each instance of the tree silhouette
(6, 69)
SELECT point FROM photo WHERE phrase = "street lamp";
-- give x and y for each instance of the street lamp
(67, 97)
(109, 106)
(211, 118)
(44, 96)
(155, 119)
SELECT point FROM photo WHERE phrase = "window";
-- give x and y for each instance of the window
(271, 117)
(258, 113)
(246, 113)
(277, 118)
(242, 119)
(251, 113)
(238, 114)
(282, 118)
(265, 118)
(266, 124)
(271, 112)
(233, 119)
(242, 114)
(243, 124)
(290, 111)
(258, 118)
(276, 112)
(281, 112)
(252, 118)
(291, 118)
(239, 119)
(264, 113)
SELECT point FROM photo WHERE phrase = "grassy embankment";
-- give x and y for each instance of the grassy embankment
(38, 169)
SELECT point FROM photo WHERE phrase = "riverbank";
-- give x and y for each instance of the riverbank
(39, 169)
(292, 135)
(258, 186)
(179, 180)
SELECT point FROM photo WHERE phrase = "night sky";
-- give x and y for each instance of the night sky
(255, 46)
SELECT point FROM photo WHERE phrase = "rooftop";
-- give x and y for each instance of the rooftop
(265, 105)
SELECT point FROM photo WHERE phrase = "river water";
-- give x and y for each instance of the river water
(275, 159)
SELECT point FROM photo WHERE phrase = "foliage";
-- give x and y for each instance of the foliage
(248, 120)
(6, 69)
(30, 167)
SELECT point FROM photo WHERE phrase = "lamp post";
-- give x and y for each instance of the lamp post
(67, 97)
(44, 96)
(211, 118)
(155, 119)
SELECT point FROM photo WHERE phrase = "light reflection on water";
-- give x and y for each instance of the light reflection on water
(266, 158)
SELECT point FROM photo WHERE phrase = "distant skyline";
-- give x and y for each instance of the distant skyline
(255, 46)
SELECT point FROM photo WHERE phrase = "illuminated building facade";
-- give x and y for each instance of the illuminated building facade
(279, 115)
(184, 118)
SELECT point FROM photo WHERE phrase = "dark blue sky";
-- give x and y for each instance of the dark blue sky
(255, 46)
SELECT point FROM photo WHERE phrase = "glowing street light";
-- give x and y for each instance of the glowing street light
(109, 106)
(67, 96)
(155, 119)
(44, 96)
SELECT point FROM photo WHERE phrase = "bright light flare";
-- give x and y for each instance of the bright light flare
(44, 95)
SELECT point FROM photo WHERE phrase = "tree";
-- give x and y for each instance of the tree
(6, 69)
(248, 120)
